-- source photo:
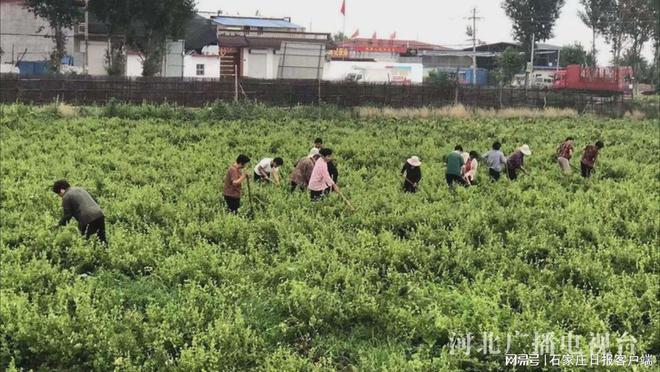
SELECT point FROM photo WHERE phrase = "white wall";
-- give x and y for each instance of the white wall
(381, 72)
(211, 66)
(133, 65)
(257, 67)
(169, 67)
(260, 63)
(18, 28)
(97, 52)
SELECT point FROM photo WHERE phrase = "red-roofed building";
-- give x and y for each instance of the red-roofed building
(380, 49)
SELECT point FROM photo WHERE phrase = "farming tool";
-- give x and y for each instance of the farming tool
(409, 181)
(249, 192)
(348, 202)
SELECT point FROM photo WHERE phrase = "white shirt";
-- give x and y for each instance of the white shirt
(265, 166)
(464, 155)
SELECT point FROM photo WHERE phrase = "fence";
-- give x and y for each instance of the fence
(85, 90)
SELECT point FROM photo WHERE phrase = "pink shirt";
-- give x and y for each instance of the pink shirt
(320, 179)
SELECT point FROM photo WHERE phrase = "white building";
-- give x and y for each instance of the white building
(25, 36)
(172, 64)
(269, 48)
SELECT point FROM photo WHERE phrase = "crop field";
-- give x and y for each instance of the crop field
(436, 281)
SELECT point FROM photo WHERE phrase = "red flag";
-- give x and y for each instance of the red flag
(393, 35)
(355, 34)
(343, 7)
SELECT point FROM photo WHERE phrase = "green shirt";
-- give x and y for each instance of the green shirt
(454, 163)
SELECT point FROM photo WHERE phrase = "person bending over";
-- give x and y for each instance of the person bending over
(78, 203)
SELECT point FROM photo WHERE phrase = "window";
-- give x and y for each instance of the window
(200, 70)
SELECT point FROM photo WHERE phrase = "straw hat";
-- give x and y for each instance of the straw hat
(525, 150)
(314, 152)
(414, 161)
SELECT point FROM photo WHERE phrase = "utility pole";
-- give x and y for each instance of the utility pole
(86, 69)
(474, 45)
(531, 60)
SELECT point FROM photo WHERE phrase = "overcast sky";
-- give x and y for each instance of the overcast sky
(437, 21)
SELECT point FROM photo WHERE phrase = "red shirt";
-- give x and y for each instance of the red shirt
(565, 150)
(590, 155)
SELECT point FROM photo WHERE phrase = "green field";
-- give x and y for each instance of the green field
(393, 286)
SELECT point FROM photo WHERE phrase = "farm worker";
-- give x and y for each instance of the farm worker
(495, 160)
(564, 154)
(332, 167)
(516, 160)
(233, 183)
(318, 143)
(78, 203)
(303, 170)
(470, 168)
(589, 158)
(320, 182)
(412, 174)
(465, 155)
(455, 164)
(268, 169)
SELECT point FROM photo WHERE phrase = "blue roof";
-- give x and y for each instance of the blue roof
(253, 22)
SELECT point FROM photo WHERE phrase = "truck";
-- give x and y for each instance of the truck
(538, 79)
(542, 79)
(606, 80)
(374, 72)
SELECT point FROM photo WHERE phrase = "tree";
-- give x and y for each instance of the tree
(655, 66)
(575, 55)
(594, 15)
(645, 72)
(146, 25)
(441, 79)
(115, 14)
(532, 19)
(639, 25)
(613, 29)
(60, 16)
(509, 63)
(339, 37)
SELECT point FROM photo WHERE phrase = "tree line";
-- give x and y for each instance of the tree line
(626, 25)
(145, 26)
(140, 25)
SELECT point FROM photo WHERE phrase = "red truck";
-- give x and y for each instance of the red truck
(608, 80)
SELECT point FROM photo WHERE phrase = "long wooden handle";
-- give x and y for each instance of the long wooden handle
(348, 202)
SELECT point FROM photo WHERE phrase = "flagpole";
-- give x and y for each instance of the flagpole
(343, 31)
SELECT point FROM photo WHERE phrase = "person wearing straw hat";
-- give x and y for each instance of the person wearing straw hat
(412, 174)
(303, 170)
(515, 162)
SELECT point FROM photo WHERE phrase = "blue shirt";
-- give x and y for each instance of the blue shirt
(495, 160)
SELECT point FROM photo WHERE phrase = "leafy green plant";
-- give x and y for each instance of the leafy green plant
(185, 286)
